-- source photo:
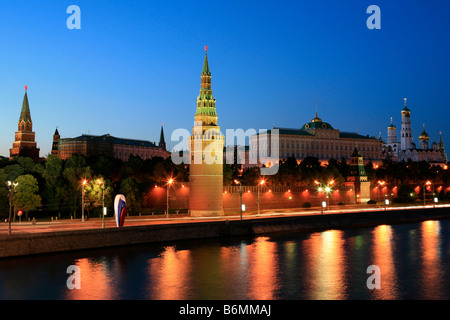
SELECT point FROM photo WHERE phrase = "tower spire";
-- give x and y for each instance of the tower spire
(206, 104)
(162, 141)
(25, 114)
(25, 144)
(205, 70)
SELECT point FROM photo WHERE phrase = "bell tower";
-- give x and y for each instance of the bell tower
(206, 153)
(406, 132)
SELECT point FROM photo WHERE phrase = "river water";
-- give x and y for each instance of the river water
(413, 262)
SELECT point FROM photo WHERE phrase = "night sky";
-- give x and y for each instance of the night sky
(136, 64)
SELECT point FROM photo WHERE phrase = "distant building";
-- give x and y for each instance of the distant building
(109, 146)
(315, 139)
(25, 144)
(406, 149)
(238, 155)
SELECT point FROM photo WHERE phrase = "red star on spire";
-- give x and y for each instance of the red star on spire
(26, 87)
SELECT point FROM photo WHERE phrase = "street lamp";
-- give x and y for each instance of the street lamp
(168, 186)
(240, 193)
(82, 199)
(11, 186)
(324, 188)
(381, 184)
(327, 190)
(262, 182)
(321, 199)
(424, 189)
(102, 186)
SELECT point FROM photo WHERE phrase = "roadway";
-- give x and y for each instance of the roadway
(96, 223)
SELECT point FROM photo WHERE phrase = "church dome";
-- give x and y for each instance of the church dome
(424, 135)
(412, 145)
(316, 123)
(405, 110)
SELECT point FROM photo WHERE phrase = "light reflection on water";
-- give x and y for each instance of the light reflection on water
(322, 265)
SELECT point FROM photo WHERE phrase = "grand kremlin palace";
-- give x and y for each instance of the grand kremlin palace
(315, 139)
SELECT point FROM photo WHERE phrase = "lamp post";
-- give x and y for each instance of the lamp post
(168, 186)
(326, 189)
(102, 186)
(424, 189)
(240, 193)
(381, 184)
(321, 200)
(11, 186)
(82, 199)
(262, 182)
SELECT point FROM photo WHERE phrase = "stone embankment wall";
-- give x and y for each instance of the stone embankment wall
(51, 242)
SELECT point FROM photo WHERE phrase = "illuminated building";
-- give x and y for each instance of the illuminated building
(206, 153)
(406, 149)
(357, 177)
(314, 139)
(111, 147)
(24, 144)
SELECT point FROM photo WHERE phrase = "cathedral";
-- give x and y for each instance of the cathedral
(406, 149)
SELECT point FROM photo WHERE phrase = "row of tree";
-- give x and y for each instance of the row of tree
(291, 173)
(54, 186)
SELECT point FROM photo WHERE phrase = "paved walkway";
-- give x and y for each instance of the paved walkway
(96, 223)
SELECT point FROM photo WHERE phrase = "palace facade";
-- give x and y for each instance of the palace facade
(314, 139)
(109, 146)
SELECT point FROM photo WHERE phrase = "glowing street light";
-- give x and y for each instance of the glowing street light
(381, 184)
(262, 182)
(424, 189)
(169, 182)
(11, 187)
(324, 188)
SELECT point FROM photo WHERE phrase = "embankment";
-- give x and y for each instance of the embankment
(51, 242)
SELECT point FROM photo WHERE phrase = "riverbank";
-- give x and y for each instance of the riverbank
(52, 242)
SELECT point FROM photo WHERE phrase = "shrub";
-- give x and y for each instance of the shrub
(341, 204)
(371, 202)
(306, 205)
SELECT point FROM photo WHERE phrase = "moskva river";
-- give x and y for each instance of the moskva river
(404, 261)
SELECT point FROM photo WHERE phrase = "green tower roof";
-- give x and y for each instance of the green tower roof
(25, 114)
(205, 64)
(316, 123)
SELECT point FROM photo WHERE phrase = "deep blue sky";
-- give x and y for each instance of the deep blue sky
(136, 64)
